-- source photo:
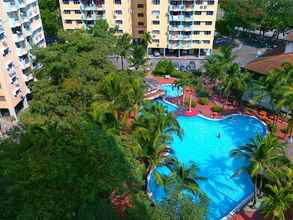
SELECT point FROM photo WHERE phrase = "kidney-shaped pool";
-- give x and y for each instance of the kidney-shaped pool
(208, 143)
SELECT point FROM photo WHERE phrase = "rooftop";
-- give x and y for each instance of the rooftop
(265, 64)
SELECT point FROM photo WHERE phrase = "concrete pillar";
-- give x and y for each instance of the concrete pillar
(12, 113)
(164, 52)
(179, 54)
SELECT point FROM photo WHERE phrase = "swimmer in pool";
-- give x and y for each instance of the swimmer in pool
(219, 135)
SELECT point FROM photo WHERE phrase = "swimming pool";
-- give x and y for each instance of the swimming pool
(201, 145)
(171, 91)
(168, 106)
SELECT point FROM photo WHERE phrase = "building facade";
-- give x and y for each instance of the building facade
(177, 27)
(20, 29)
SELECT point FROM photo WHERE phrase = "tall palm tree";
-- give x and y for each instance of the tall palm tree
(146, 39)
(262, 154)
(152, 131)
(138, 55)
(234, 81)
(124, 47)
(194, 82)
(218, 64)
(277, 201)
(185, 177)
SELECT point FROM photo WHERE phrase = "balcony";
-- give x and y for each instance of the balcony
(25, 64)
(27, 31)
(21, 51)
(88, 7)
(28, 77)
(10, 6)
(18, 37)
(15, 21)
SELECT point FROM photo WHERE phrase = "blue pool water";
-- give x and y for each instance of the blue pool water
(172, 91)
(168, 107)
(201, 145)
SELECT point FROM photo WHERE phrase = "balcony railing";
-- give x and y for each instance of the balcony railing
(86, 7)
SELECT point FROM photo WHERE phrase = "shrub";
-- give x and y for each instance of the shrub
(164, 67)
(217, 108)
(204, 101)
(193, 103)
(202, 93)
(181, 75)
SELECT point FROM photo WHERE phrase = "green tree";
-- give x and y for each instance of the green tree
(124, 47)
(152, 131)
(263, 155)
(164, 67)
(277, 202)
(146, 39)
(138, 56)
(50, 17)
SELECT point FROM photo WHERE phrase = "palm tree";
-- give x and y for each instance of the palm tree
(234, 81)
(218, 64)
(124, 47)
(277, 202)
(138, 56)
(194, 82)
(152, 131)
(146, 39)
(263, 153)
(287, 102)
(185, 177)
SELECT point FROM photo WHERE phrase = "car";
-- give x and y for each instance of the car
(157, 54)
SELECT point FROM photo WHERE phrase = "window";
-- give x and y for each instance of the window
(140, 32)
(197, 23)
(65, 2)
(140, 23)
(78, 22)
(155, 31)
(117, 2)
(198, 2)
(140, 15)
(119, 22)
(77, 11)
(66, 11)
(68, 22)
(196, 32)
(140, 5)
(76, 2)
(207, 32)
(156, 22)
(210, 12)
(197, 12)
(156, 13)
(156, 2)
(156, 41)
(196, 42)
(211, 2)
(118, 12)
(206, 41)
(209, 22)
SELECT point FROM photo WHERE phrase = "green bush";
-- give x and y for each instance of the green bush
(164, 67)
(204, 101)
(217, 108)
(193, 103)
(181, 75)
(202, 93)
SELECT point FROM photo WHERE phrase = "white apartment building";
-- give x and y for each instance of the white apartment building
(20, 29)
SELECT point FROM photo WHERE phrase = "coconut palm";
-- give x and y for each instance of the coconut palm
(185, 177)
(218, 64)
(234, 82)
(124, 47)
(263, 153)
(194, 82)
(138, 56)
(277, 201)
(152, 131)
(146, 39)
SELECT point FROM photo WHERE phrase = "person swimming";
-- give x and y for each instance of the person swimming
(219, 135)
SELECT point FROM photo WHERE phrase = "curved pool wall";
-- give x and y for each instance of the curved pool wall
(171, 91)
(170, 107)
(201, 145)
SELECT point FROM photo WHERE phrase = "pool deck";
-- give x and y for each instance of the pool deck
(228, 108)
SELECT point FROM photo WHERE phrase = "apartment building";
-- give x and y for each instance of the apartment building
(20, 29)
(178, 27)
